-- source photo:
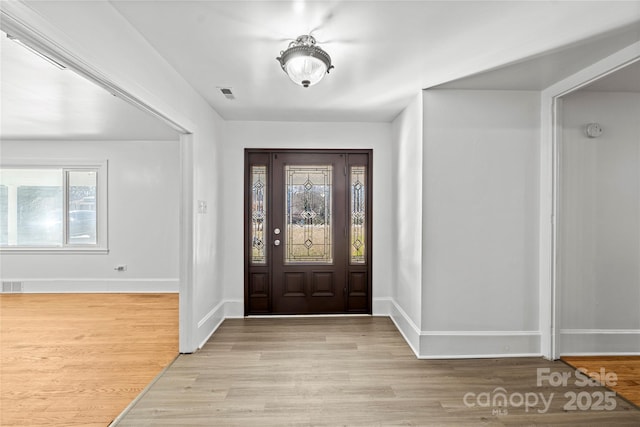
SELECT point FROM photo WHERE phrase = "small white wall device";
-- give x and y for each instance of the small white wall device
(593, 130)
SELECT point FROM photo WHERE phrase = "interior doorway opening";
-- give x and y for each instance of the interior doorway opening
(598, 224)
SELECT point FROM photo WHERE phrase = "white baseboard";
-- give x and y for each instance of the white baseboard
(408, 329)
(226, 309)
(209, 324)
(93, 285)
(603, 353)
(478, 344)
(459, 344)
(591, 342)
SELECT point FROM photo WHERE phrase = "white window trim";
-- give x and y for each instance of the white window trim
(102, 226)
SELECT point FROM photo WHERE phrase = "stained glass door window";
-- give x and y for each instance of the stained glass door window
(308, 203)
(258, 214)
(358, 218)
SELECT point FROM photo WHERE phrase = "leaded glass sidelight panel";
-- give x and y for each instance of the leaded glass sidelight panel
(258, 214)
(358, 219)
(309, 233)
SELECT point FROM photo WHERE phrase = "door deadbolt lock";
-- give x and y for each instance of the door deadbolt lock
(276, 231)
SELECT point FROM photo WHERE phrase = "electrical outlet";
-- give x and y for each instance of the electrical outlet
(202, 207)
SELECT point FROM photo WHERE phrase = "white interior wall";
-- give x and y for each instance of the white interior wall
(107, 43)
(143, 218)
(406, 307)
(599, 224)
(480, 223)
(241, 135)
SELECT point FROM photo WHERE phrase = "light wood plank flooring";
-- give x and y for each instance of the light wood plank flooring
(80, 359)
(356, 371)
(626, 368)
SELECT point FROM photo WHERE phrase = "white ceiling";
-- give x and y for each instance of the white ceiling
(384, 52)
(40, 101)
(626, 79)
(541, 71)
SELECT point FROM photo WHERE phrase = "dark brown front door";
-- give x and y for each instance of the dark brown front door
(308, 232)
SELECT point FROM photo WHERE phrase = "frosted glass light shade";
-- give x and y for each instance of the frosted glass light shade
(305, 70)
(304, 62)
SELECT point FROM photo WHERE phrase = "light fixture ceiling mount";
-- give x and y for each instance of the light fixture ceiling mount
(304, 62)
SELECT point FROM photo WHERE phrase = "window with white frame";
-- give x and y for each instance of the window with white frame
(50, 207)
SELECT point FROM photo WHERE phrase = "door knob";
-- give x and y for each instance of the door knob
(276, 242)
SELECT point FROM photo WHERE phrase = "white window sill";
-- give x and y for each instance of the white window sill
(50, 251)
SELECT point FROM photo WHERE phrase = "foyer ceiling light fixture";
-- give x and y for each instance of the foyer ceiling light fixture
(304, 62)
